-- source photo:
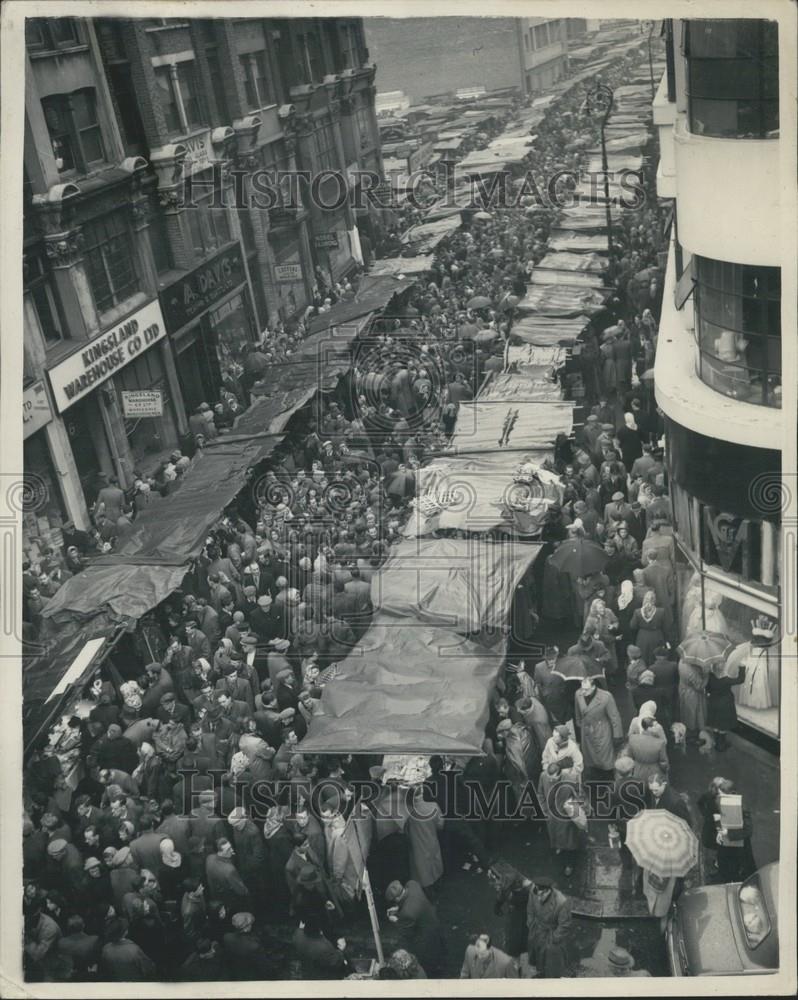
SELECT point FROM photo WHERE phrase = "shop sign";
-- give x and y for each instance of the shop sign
(199, 154)
(727, 533)
(97, 360)
(326, 241)
(288, 272)
(36, 410)
(138, 403)
(193, 294)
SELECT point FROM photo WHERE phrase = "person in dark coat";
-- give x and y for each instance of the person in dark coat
(418, 924)
(664, 689)
(225, 884)
(660, 795)
(121, 959)
(318, 957)
(735, 860)
(721, 710)
(246, 956)
(512, 889)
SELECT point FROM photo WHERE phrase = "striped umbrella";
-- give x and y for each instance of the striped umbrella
(705, 649)
(662, 843)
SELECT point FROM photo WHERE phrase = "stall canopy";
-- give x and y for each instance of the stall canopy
(566, 239)
(546, 331)
(583, 217)
(463, 584)
(408, 688)
(551, 276)
(371, 297)
(532, 385)
(403, 265)
(126, 590)
(479, 493)
(426, 236)
(513, 424)
(563, 300)
(565, 261)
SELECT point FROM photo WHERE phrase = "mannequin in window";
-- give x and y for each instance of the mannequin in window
(760, 657)
(730, 347)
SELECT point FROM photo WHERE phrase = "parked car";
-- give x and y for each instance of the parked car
(728, 930)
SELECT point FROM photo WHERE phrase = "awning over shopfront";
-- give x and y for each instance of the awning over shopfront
(550, 276)
(426, 236)
(518, 424)
(402, 265)
(523, 386)
(372, 296)
(565, 261)
(567, 239)
(583, 217)
(128, 591)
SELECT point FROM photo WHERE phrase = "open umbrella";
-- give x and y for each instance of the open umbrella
(478, 302)
(485, 337)
(579, 557)
(482, 216)
(509, 302)
(705, 649)
(662, 843)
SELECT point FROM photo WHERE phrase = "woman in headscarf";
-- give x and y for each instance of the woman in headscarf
(405, 965)
(648, 748)
(624, 609)
(566, 822)
(629, 440)
(603, 623)
(649, 623)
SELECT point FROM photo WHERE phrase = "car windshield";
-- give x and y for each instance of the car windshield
(756, 921)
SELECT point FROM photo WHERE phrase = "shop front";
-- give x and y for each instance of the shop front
(288, 273)
(209, 318)
(728, 561)
(44, 510)
(88, 389)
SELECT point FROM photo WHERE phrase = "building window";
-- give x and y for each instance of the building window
(209, 228)
(74, 130)
(540, 36)
(363, 119)
(738, 310)
(109, 260)
(180, 97)
(350, 47)
(256, 80)
(733, 78)
(310, 51)
(326, 152)
(44, 34)
(45, 303)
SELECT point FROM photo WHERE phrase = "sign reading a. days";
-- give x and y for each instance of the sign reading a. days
(203, 287)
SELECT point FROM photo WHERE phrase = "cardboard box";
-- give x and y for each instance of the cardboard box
(731, 811)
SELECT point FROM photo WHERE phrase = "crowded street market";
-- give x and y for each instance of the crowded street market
(401, 622)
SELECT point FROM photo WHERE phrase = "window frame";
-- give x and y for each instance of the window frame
(171, 71)
(64, 106)
(42, 280)
(701, 94)
(50, 43)
(118, 292)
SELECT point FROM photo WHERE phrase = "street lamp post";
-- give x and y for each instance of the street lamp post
(599, 102)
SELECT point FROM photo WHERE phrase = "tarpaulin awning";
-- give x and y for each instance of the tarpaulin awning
(480, 493)
(615, 162)
(625, 143)
(563, 300)
(522, 385)
(567, 239)
(518, 424)
(371, 297)
(463, 584)
(582, 217)
(409, 688)
(426, 236)
(127, 590)
(548, 331)
(565, 261)
(402, 265)
(550, 276)
(531, 356)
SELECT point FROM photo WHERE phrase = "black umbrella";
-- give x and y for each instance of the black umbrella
(579, 557)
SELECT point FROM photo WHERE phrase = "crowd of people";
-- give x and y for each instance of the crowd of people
(162, 862)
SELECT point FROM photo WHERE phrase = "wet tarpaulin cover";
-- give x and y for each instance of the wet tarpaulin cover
(538, 358)
(550, 276)
(582, 217)
(127, 590)
(408, 688)
(463, 584)
(548, 331)
(515, 423)
(563, 300)
(565, 261)
(566, 239)
(478, 494)
(371, 297)
(402, 265)
(536, 386)
(425, 237)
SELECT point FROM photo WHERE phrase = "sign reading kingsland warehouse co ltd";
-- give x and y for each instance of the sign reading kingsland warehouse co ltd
(98, 359)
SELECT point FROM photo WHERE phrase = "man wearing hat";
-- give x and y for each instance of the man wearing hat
(236, 686)
(621, 963)
(250, 853)
(160, 681)
(549, 922)
(172, 710)
(616, 510)
(658, 576)
(244, 951)
(113, 751)
(249, 603)
(197, 641)
(265, 621)
(418, 925)
(65, 866)
(234, 711)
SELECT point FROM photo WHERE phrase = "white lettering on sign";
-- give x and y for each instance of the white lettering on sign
(92, 364)
(142, 403)
(36, 410)
(288, 272)
(199, 156)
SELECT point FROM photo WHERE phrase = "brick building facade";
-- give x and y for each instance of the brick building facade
(147, 268)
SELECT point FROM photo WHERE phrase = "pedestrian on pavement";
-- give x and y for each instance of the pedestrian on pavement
(423, 826)
(549, 921)
(484, 961)
(721, 708)
(418, 925)
(599, 724)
